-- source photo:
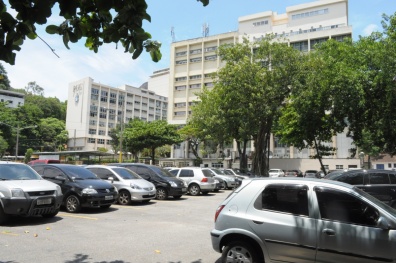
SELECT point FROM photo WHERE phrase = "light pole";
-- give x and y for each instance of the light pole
(18, 129)
(361, 155)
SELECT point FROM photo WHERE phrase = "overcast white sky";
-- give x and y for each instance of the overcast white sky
(111, 66)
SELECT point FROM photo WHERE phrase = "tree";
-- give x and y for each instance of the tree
(50, 107)
(3, 146)
(28, 155)
(34, 89)
(194, 138)
(4, 81)
(248, 92)
(52, 132)
(99, 22)
(139, 135)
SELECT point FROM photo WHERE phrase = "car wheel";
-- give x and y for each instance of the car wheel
(194, 189)
(3, 216)
(162, 194)
(124, 198)
(73, 204)
(105, 206)
(239, 251)
(177, 196)
(50, 215)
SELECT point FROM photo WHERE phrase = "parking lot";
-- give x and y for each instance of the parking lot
(170, 231)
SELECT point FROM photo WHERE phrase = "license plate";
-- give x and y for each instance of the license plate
(184, 189)
(44, 201)
(109, 197)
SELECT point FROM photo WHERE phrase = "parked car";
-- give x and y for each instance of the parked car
(293, 173)
(198, 180)
(131, 187)
(46, 161)
(220, 185)
(166, 183)
(24, 193)
(80, 187)
(320, 174)
(230, 181)
(234, 172)
(330, 222)
(311, 174)
(378, 183)
(276, 173)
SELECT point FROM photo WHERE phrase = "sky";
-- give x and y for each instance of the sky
(111, 66)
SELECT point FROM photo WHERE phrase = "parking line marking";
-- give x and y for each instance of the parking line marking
(76, 216)
(129, 207)
(9, 233)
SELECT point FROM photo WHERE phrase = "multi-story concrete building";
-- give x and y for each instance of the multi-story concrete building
(302, 26)
(12, 99)
(93, 109)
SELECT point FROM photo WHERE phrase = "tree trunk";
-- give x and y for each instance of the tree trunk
(261, 153)
(243, 163)
(153, 156)
(319, 155)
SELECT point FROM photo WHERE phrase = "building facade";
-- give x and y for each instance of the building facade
(12, 99)
(93, 109)
(193, 61)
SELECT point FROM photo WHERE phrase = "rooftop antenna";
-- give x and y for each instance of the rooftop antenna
(205, 30)
(173, 34)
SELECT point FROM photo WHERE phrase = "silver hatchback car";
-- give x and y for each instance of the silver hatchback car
(130, 186)
(303, 220)
(197, 179)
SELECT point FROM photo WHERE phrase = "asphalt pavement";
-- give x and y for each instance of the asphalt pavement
(170, 231)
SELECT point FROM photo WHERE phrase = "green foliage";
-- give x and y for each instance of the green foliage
(50, 107)
(98, 22)
(28, 155)
(34, 89)
(4, 81)
(3, 146)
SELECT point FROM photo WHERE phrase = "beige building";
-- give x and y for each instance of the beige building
(93, 109)
(193, 60)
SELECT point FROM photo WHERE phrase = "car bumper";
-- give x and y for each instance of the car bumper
(31, 207)
(215, 236)
(142, 195)
(173, 191)
(208, 187)
(98, 200)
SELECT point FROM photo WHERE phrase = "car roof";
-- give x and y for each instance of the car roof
(297, 180)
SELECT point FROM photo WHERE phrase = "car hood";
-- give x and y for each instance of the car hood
(30, 185)
(139, 182)
(94, 183)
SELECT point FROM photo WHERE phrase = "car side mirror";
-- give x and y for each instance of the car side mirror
(111, 179)
(383, 223)
(60, 178)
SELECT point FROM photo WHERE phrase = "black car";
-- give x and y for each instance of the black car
(80, 187)
(166, 183)
(378, 183)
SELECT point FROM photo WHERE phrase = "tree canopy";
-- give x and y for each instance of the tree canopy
(99, 22)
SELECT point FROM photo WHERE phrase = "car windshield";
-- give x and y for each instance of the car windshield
(217, 171)
(387, 208)
(228, 172)
(162, 172)
(17, 172)
(126, 173)
(79, 172)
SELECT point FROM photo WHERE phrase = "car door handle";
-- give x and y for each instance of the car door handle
(258, 222)
(329, 232)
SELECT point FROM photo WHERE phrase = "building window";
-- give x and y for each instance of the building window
(213, 57)
(101, 141)
(182, 53)
(389, 165)
(208, 75)
(260, 23)
(92, 122)
(195, 77)
(309, 14)
(91, 140)
(196, 51)
(183, 87)
(339, 167)
(102, 132)
(217, 165)
(195, 86)
(92, 131)
(181, 62)
(180, 105)
(209, 84)
(314, 42)
(102, 124)
(181, 79)
(180, 113)
(209, 49)
(193, 60)
(301, 46)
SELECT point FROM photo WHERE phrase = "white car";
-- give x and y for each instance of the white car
(198, 180)
(24, 192)
(276, 173)
(131, 187)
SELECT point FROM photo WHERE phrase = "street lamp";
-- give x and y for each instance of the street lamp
(361, 155)
(18, 129)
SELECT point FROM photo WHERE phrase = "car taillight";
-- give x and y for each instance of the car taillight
(218, 211)
(204, 180)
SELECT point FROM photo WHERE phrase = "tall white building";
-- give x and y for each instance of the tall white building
(93, 109)
(12, 99)
(302, 26)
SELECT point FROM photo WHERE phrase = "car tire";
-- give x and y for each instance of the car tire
(72, 204)
(162, 194)
(50, 215)
(239, 251)
(194, 189)
(3, 216)
(124, 198)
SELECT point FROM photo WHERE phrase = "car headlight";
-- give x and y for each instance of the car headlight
(216, 181)
(89, 191)
(173, 184)
(17, 192)
(134, 186)
(58, 190)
